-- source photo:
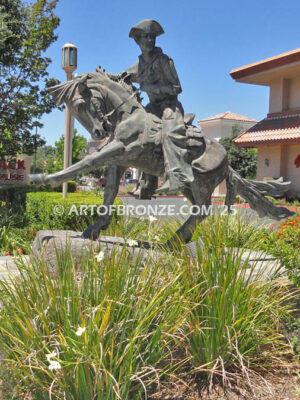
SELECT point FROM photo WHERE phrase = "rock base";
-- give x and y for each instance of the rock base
(49, 244)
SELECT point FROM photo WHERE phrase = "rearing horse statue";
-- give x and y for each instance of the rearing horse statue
(112, 109)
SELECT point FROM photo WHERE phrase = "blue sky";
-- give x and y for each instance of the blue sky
(205, 39)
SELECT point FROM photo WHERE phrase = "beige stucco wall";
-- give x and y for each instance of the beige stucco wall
(223, 128)
(284, 95)
(294, 93)
(276, 166)
(293, 173)
(212, 129)
(275, 102)
(272, 153)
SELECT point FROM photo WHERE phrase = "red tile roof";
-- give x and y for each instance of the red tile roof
(276, 129)
(227, 115)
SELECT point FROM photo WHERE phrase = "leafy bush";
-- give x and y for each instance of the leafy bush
(48, 210)
(283, 241)
(15, 241)
(72, 185)
(242, 160)
(13, 204)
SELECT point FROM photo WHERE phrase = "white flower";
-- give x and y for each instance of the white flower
(100, 257)
(51, 355)
(152, 218)
(54, 365)
(132, 242)
(156, 237)
(80, 331)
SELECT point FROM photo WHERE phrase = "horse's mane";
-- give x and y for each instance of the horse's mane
(95, 81)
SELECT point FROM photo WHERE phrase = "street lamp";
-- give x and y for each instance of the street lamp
(69, 64)
(37, 125)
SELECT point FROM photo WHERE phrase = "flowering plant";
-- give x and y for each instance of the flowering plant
(288, 231)
(283, 241)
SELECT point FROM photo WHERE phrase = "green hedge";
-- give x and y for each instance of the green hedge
(14, 196)
(49, 210)
(13, 204)
(72, 186)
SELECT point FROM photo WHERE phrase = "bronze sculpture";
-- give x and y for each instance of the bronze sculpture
(111, 108)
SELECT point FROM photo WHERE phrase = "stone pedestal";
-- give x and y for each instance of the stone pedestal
(48, 244)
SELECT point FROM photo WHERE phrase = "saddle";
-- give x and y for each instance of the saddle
(213, 155)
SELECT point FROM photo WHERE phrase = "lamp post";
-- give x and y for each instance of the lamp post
(69, 64)
(37, 125)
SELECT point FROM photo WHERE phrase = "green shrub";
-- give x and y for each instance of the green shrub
(48, 210)
(13, 204)
(72, 185)
(15, 240)
(14, 195)
(283, 241)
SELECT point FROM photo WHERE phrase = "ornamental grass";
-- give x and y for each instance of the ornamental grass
(116, 327)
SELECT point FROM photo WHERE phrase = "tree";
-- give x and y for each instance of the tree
(79, 150)
(45, 157)
(26, 31)
(243, 161)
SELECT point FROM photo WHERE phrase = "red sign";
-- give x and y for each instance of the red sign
(297, 161)
(14, 171)
(13, 164)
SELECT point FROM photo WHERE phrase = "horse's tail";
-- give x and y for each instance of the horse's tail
(254, 193)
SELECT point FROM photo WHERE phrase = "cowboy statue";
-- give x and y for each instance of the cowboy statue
(157, 139)
(156, 74)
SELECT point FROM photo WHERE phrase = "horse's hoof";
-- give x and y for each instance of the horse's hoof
(90, 233)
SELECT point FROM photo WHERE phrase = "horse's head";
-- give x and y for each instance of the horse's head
(92, 99)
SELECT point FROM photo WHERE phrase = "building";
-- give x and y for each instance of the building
(277, 137)
(220, 126)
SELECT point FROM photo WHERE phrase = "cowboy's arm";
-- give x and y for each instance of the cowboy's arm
(133, 72)
(170, 73)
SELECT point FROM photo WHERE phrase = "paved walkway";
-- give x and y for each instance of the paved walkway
(8, 266)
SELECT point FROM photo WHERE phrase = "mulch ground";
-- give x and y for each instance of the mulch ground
(281, 385)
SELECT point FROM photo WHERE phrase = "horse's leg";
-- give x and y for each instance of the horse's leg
(145, 187)
(200, 197)
(111, 153)
(114, 174)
